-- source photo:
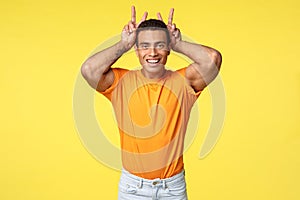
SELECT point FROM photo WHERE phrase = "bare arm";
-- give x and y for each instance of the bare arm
(206, 66)
(207, 61)
(97, 68)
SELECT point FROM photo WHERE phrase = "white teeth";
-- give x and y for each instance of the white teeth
(152, 61)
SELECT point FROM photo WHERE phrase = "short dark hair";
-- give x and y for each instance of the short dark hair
(152, 24)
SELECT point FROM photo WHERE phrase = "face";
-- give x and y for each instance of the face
(152, 51)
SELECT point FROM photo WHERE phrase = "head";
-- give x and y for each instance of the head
(152, 24)
(152, 46)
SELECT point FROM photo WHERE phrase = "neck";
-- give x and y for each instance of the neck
(154, 75)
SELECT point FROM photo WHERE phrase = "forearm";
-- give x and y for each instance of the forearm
(206, 66)
(201, 55)
(103, 60)
(96, 66)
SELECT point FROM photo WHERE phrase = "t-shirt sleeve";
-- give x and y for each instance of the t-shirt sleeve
(189, 87)
(118, 73)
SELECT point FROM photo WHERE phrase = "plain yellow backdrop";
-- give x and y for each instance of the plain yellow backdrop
(43, 44)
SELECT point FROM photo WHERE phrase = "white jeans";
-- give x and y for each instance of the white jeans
(132, 187)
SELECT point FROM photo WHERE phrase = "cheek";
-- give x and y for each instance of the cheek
(165, 54)
(140, 55)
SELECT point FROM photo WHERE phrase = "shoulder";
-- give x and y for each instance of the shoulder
(119, 72)
(183, 74)
(116, 75)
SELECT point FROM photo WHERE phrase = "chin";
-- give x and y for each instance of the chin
(156, 67)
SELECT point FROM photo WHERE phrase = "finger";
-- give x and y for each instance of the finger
(177, 33)
(174, 26)
(174, 31)
(159, 17)
(133, 13)
(170, 19)
(131, 27)
(126, 29)
(143, 18)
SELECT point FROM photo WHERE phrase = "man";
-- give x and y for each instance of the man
(152, 105)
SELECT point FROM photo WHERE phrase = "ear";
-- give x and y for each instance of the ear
(136, 50)
(169, 48)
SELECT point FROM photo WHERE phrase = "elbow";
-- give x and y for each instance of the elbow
(214, 65)
(85, 68)
(88, 73)
(216, 59)
(91, 73)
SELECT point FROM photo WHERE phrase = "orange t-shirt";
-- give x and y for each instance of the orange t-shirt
(152, 116)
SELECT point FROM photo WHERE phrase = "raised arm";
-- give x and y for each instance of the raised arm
(97, 68)
(207, 61)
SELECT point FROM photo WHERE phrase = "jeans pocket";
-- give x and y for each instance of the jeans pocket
(178, 189)
(127, 188)
(131, 189)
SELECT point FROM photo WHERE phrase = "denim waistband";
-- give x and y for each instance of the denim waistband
(169, 181)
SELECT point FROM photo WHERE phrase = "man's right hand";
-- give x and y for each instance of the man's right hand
(129, 31)
(97, 68)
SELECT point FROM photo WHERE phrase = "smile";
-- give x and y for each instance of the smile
(152, 61)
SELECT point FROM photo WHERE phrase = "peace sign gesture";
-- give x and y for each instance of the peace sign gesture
(175, 35)
(129, 30)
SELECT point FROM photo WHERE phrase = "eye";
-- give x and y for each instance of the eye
(160, 46)
(144, 46)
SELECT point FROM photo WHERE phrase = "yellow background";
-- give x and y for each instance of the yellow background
(43, 44)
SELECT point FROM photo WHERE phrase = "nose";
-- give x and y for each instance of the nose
(153, 51)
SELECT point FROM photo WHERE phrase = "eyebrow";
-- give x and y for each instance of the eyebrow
(154, 43)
